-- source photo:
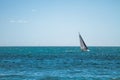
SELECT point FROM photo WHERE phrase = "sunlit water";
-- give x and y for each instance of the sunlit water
(59, 63)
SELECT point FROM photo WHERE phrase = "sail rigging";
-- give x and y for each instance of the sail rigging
(83, 46)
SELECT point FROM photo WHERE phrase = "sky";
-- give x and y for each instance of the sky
(57, 22)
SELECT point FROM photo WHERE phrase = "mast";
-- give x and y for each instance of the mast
(82, 44)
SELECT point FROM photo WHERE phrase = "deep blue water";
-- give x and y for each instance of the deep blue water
(59, 63)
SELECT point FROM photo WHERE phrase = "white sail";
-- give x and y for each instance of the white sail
(82, 44)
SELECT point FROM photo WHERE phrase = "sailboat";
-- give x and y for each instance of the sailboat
(82, 44)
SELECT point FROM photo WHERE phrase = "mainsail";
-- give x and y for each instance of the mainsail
(82, 44)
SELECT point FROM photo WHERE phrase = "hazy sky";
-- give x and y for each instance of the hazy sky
(57, 22)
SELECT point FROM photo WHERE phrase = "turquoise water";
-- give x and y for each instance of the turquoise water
(59, 63)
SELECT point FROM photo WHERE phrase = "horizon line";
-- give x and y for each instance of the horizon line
(61, 46)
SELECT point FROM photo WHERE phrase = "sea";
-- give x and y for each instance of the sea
(59, 63)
